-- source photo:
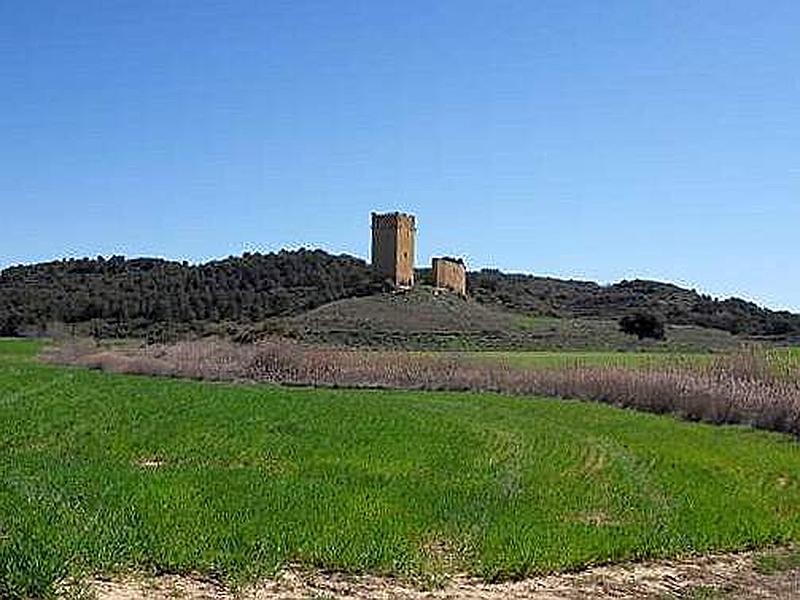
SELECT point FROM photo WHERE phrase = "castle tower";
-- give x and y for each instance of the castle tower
(393, 241)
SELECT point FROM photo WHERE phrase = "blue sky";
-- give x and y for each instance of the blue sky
(593, 140)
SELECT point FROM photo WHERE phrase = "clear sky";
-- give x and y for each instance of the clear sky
(583, 139)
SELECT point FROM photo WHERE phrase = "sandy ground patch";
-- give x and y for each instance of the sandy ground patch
(730, 576)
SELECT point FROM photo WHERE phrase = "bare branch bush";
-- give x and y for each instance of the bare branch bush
(740, 388)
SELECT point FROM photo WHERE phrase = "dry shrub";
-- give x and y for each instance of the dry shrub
(87, 355)
(734, 389)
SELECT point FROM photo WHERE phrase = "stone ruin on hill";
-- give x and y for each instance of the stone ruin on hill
(393, 254)
(450, 274)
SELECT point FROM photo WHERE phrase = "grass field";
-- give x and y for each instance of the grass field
(104, 472)
(636, 360)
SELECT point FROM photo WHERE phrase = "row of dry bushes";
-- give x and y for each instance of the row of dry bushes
(736, 389)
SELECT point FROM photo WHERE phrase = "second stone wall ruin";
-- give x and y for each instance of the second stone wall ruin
(450, 274)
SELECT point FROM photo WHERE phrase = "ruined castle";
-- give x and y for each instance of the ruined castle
(393, 252)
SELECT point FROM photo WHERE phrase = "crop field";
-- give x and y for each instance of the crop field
(634, 360)
(104, 473)
(781, 362)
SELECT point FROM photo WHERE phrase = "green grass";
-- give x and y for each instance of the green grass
(783, 362)
(102, 473)
(12, 349)
(536, 359)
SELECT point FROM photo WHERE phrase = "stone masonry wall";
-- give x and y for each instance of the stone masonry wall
(450, 274)
(393, 246)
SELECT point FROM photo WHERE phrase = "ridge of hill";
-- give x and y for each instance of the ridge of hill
(117, 297)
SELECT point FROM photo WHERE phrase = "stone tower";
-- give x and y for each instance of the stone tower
(393, 240)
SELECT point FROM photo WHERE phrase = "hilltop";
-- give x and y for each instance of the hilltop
(316, 295)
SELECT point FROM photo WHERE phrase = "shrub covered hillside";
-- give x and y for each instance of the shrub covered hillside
(676, 305)
(123, 297)
(120, 297)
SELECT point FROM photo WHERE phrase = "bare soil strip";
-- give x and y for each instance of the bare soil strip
(715, 576)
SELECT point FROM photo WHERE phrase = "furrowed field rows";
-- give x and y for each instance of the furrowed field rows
(104, 472)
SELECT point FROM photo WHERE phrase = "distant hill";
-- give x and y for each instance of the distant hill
(117, 297)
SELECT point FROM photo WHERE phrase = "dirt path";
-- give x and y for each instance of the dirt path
(731, 576)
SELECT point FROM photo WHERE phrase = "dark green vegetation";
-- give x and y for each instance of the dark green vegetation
(643, 325)
(118, 297)
(108, 472)
(160, 299)
(678, 306)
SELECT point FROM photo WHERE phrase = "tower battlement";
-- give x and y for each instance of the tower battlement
(393, 220)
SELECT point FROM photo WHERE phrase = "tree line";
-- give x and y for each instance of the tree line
(118, 297)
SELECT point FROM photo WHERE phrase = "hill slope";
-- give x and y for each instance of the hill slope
(121, 297)
(422, 319)
(679, 306)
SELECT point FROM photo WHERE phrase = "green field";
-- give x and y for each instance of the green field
(783, 362)
(102, 473)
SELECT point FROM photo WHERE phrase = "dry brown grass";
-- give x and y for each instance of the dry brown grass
(735, 389)
(730, 576)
